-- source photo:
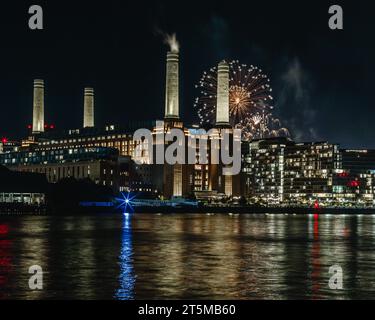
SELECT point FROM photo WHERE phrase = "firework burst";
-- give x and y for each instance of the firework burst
(250, 101)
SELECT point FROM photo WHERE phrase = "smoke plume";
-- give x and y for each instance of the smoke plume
(171, 40)
(294, 99)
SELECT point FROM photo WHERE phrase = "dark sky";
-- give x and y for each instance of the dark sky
(322, 79)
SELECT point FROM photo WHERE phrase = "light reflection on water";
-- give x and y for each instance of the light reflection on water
(145, 256)
(127, 277)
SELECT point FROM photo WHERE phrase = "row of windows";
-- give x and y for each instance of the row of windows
(54, 174)
(123, 136)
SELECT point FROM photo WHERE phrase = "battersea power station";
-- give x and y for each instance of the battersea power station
(106, 155)
(273, 171)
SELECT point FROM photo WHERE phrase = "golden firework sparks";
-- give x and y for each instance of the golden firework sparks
(250, 100)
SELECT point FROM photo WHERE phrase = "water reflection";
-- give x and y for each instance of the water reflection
(315, 260)
(5, 259)
(145, 256)
(127, 277)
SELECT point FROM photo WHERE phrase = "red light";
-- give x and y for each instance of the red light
(4, 229)
(343, 174)
(52, 126)
(5, 262)
(46, 126)
(29, 126)
(4, 140)
(354, 183)
(316, 204)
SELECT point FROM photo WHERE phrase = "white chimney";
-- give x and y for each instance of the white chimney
(88, 113)
(38, 106)
(172, 86)
(222, 108)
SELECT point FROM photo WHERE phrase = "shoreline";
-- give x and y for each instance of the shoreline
(255, 210)
(43, 211)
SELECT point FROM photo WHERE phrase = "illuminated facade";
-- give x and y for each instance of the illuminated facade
(279, 171)
(263, 169)
(110, 137)
(309, 169)
(185, 180)
(98, 164)
(355, 183)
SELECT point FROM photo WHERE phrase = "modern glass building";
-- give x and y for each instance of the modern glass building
(280, 171)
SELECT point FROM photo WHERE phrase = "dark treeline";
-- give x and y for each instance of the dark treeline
(64, 196)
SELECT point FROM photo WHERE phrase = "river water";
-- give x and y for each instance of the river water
(188, 256)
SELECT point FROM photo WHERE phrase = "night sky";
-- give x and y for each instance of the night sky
(322, 79)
